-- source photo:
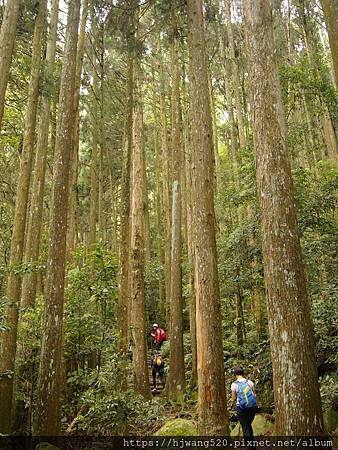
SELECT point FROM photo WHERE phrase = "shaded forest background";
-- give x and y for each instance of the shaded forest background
(130, 160)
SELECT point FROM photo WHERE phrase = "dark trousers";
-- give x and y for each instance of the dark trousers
(246, 417)
(160, 371)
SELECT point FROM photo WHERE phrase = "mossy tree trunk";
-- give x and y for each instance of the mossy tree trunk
(296, 389)
(137, 315)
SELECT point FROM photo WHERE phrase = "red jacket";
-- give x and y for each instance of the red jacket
(158, 335)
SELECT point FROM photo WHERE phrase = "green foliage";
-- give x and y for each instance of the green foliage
(3, 304)
(117, 413)
(91, 308)
(326, 325)
(110, 408)
(329, 396)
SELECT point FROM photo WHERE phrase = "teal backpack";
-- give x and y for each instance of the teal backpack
(245, 395)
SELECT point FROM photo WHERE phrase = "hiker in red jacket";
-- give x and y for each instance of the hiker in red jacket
(158, 336)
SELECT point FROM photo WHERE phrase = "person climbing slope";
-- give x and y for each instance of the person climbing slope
(243, 391)
(158, 336)
(157, 367)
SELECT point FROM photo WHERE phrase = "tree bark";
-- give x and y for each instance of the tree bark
(235, 76)
(158, 202)
(176, 381)
(190, 244)
(8, 347)
(93, 207)
(74, 161)
(47, 409)
(296, 389)
(165, 186)
(138, 325)
(7, 38)
(124, 286)
(211, 383)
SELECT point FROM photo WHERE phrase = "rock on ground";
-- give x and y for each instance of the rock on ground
(178, 427)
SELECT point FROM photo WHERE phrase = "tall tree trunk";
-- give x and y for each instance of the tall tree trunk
(235, 76)
(33, 239)
(94, 167)
(158, 202)
(147, 237)
(112, 198)
(176, 381)
(215, 136)
(165, 185)
(190, 245)
(330, 9)
(7, 38)
(296, 389)
(211, 383)
(138, 325)
(233, 148)
(124, 286)
(93, 188)
(74, 160)
(8, 347)
(47, 407)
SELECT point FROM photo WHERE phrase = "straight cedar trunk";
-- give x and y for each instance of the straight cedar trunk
(93, 207)
(190, 245)
(7, 38)
(165, 186)
(147, 243)
(47, 407)
(124, 285)
(9, 337)
(137, 316)
(296, 389)
(176, 381)
(158, 202)
(191, 259)
(103, 142)
(228, 98)
(234, 75)
(74, 160)
(102, 225)
(215, 136)
(33, 239)
(330, 9)
(112, 199)
(212, 409)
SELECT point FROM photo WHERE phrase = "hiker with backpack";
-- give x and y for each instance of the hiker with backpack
(157, 367)
(158, 336)
(243, 391)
